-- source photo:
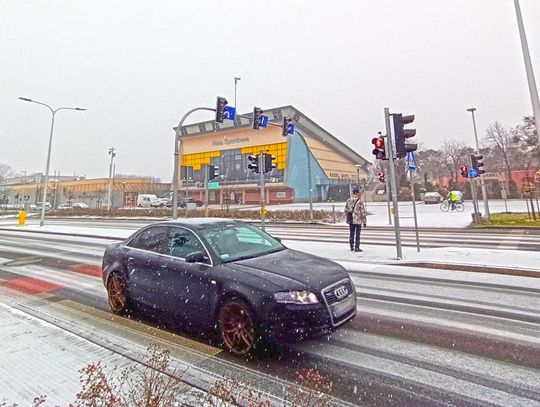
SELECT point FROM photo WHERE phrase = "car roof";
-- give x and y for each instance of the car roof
(199, 223)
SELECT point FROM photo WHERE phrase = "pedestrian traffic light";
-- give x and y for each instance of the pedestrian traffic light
(257, 118)
(464, 171)
(253, 163)
(478, 164)
(213, 172)
(379, 151)
(401, 134)
(288, 126)
(269, 165)
(220, 109)
(381, 176)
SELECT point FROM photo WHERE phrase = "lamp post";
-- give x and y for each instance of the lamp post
(528, 68)
(46, 178)
(112, 154)
(236, 79)
(484, 191)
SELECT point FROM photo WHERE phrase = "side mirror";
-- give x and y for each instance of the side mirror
(196, 257)
(277, 238)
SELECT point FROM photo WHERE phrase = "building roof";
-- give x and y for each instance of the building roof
(275, 115)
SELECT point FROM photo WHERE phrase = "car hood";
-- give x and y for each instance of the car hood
(314, 272)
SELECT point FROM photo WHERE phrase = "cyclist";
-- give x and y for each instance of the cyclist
(453, 198)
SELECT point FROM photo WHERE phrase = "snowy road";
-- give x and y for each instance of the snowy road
(421, 337)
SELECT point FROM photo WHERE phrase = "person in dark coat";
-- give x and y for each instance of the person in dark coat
(356, 217)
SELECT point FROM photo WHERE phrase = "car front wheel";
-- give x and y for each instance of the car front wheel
(237, 327)
(117, 293)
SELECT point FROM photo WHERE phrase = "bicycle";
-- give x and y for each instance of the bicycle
(446, 205)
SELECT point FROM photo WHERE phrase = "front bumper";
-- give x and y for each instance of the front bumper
(294, 323)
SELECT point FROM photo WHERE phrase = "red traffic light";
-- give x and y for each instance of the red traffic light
(378, 142)
(379, 150)
(381, 176)
(464, 171)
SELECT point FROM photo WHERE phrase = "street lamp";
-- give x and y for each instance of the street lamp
(484, 191)
(236, 79)
(46, 179)
(358, 166)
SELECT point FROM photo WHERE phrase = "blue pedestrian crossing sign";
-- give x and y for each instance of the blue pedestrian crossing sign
(264, 121)
(411, 163)
(473, 173)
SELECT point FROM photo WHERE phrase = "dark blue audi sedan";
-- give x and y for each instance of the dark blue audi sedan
(230, 276)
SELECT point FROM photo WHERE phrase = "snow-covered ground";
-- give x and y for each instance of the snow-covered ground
(428, 215)
(527, 260)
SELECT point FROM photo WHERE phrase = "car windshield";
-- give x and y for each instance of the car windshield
(237, 242)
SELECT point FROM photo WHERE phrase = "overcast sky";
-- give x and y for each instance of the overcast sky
(137, 66)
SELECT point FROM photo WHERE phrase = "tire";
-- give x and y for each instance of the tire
(460, 207)
(117, 294)
(444, 207)
(237, 328)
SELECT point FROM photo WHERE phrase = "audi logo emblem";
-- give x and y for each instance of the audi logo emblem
(341, 292)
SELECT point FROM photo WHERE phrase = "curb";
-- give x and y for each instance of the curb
(64, 234)
(473, 268)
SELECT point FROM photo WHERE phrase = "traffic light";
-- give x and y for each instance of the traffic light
(288, 127)
(381, 176)
(478, 164)
(220, 109)
(379, 151)
(213, 172)
(269, 165)
(464, 171)
(401, 134)
(254, 163)
(257, 117)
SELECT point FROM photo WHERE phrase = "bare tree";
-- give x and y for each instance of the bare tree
(503, 148)
(455, 154)
(5, 172)
(526, 136)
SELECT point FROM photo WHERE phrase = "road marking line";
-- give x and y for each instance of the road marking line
(146, 329)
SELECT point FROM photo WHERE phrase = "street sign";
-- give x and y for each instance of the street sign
(213, 185)
(264, 121)
(473, 173)
(410, 161)
(229, 113)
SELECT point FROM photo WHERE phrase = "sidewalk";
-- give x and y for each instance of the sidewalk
(516, 262)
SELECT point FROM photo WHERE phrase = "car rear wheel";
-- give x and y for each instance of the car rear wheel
(237, 327)
(118, 294)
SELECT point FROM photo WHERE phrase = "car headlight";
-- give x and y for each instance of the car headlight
(296, 297)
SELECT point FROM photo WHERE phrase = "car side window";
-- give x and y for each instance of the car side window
(153, 239)
(183, 242)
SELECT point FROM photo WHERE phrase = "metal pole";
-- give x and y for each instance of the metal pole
(414, 211)
(56, 189)
(261, 170)
(176, 169)
(205, 166)
(187, 177)
(111, 152)
(503, 192)
(388, 194)
(473, 191)
(482, 181)
(46, 178)
(528, 68)
(236, 79)
(392, 176)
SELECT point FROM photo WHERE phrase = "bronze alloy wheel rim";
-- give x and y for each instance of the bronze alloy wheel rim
(237, 329)
(117, 293)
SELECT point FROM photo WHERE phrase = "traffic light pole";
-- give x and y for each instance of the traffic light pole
(205, 166)
(263, 203)
(473, 194)
(176, 168)
(392, 181)
(387, 187)
(414, 210)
